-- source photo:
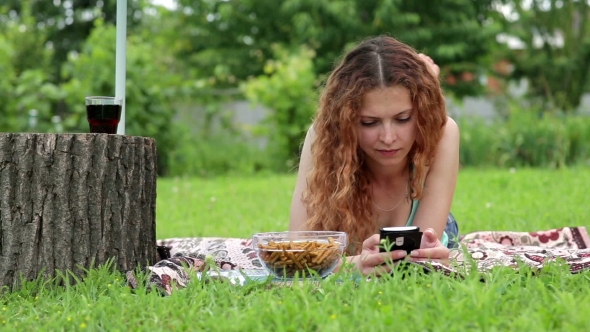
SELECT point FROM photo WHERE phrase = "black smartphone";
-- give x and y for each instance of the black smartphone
(405, 238)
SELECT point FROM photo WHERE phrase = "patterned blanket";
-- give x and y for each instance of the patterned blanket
(486, 249)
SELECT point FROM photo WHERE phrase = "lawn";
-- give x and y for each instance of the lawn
(519, 200)
(522, 200)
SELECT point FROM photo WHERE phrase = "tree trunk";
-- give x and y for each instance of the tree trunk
(74, 201)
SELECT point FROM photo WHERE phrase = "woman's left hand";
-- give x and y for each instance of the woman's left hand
(430, 247)
(432, 66)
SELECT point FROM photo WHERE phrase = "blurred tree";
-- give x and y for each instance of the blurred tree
(553, 51)
(287, 87)
(27, 91)
(66, 23)
(229, 40)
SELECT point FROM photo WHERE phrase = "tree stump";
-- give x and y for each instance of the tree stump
(75, 201)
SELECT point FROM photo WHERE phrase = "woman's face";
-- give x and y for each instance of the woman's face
(387, 128)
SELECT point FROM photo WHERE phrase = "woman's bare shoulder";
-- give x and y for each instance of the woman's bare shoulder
(450, 137)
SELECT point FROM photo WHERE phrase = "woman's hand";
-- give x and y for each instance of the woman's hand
(430, 247)
(432, 66)
(371, 261)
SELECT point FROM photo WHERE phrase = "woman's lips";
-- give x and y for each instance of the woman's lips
(388, 152)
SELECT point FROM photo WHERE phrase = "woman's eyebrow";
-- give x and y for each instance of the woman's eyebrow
(405, 111)
(398, 114)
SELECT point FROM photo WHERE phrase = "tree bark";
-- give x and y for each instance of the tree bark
(75, 201)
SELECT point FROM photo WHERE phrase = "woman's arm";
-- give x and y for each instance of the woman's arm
(298, 208)
(440, 183)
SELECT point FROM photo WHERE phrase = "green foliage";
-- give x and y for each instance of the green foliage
(525, 139)
(456, 35)
(555, 57)
(29, 49)
(288, 88)
(8, 110)
(222, 152)
(229, 42)
(66, 24)
(27, 91)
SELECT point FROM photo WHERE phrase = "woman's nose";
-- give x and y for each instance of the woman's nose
(388, 134)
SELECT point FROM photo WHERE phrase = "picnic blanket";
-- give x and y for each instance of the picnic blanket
(486, 249)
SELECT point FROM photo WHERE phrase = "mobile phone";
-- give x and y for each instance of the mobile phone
(406, 238)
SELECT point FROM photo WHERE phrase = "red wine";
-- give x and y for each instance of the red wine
(103, 118)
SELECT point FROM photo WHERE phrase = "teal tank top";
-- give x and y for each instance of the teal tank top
(415, 203)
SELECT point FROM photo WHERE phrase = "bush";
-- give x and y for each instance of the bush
(219, 153)
(289, 89)
(525, 139)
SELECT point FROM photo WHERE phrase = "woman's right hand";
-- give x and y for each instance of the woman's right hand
(371, 261)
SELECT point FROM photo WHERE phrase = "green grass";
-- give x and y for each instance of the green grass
(525, 200)
(520, 200)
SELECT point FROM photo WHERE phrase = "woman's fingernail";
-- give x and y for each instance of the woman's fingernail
(401, 254)
(414, 253)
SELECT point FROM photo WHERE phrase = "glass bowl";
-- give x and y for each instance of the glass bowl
(299, 253)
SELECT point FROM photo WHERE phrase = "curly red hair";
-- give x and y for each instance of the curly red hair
(338, 196)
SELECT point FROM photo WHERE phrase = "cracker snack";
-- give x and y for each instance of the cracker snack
(286, 258)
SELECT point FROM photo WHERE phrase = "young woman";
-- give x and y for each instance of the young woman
(381, 152)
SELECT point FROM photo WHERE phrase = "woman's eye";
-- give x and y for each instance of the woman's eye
(368, 123)
(404, 119)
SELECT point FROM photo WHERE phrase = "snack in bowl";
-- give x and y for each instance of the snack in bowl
(301, 253)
